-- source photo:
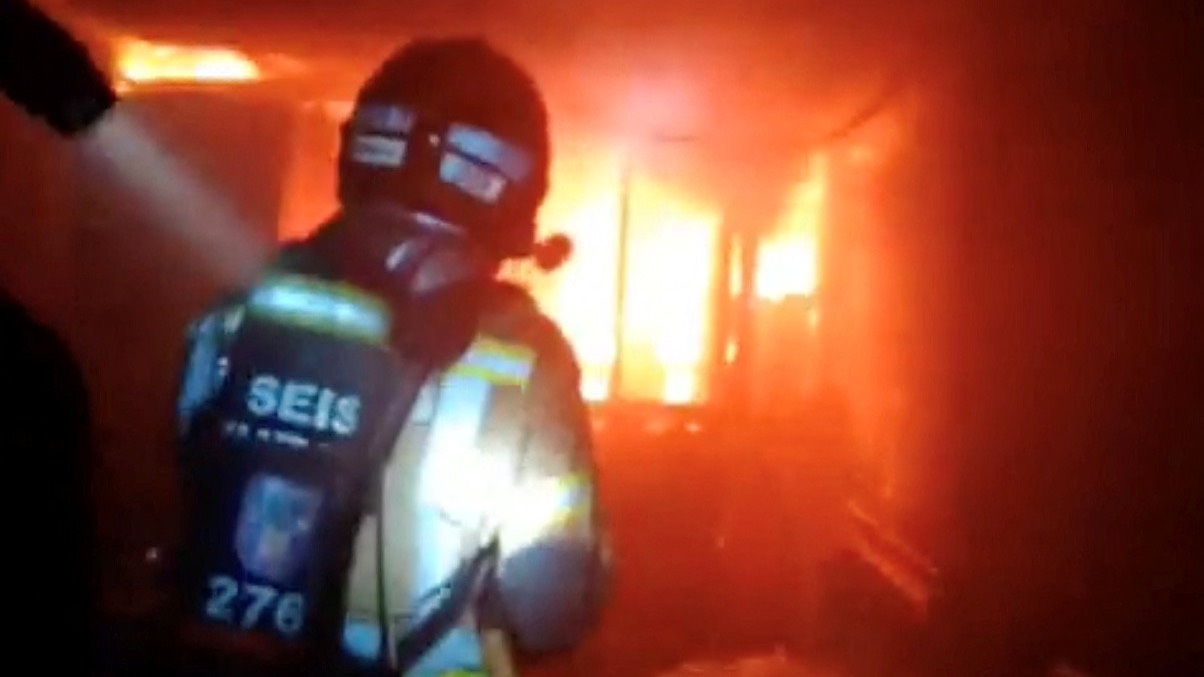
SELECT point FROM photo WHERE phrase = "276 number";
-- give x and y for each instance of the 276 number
(226, 596)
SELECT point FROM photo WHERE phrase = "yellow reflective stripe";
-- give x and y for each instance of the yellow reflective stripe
(329, 307)
(572, 499)
(486, 374)
(502, 355)
(543, 508)
(342, 289)
(497, 362)
(505, 348)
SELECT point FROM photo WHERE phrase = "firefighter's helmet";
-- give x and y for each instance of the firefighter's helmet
(454, 129)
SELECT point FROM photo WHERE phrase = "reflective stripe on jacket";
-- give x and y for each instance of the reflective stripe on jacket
(499, 446)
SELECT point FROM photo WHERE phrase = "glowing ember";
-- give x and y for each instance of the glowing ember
(143, 62)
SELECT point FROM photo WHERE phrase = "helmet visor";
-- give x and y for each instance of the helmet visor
(471, 159)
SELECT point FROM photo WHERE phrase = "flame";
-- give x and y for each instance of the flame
(788, 261)
(584, 204)
(669, 271)
(671, 274)
(140, 63)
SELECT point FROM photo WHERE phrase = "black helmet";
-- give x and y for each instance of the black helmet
(454, 129)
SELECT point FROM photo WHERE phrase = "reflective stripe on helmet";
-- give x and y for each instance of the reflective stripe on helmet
(473, 159)
(483, 146)
(384, 117)
(375, 150)
(482, 183)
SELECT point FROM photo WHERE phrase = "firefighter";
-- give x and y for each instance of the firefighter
(482, 540)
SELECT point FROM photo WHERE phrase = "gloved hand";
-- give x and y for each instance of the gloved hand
(550, 594)
(48, 72)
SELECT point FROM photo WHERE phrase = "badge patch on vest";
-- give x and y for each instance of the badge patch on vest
(275, 528)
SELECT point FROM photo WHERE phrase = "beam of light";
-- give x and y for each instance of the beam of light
(788, 261)
(140, 63)
(175, 199)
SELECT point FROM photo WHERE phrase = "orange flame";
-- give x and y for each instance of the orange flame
(140, 63)
(584, 204)
(670, 272)
(788, 261)
(670, 265)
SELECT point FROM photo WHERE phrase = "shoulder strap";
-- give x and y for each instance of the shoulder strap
(458, 594)
(460, 589)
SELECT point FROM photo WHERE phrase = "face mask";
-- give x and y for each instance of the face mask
(401, 254)
(432, 274)
(434, 256)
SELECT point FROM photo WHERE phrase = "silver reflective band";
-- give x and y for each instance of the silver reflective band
(387, 118)
(378, 151)
(481, 145)
(482, 183)
(321, 308)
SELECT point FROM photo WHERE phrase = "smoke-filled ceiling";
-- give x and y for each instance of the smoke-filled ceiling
(755, 70)
(753, 83)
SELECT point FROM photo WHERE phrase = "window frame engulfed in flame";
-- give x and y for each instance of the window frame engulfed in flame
(657, 210)
(787, 264)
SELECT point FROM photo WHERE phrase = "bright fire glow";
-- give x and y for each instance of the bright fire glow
(669, 277)
(670, 273)
(142, 63)
(788, 261)
(584, 204)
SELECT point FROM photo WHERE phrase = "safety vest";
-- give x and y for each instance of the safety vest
(445, 490)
